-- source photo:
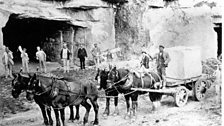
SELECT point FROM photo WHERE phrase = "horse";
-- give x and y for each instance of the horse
(59, 94)
(124, 80)
(101, 77)
(20, 84)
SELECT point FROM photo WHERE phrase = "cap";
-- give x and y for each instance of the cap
(144, 50)
(161, 46)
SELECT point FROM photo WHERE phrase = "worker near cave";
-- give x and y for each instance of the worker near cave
(82, 55)
(162, 60)
(25, 59)
(41, 56)
(8, 63)
(96, 54)
(65, 56)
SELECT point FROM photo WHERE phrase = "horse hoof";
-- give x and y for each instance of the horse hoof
(127, 117)
(115, 114)
(70, 121)
(134, 117)
(105, 115)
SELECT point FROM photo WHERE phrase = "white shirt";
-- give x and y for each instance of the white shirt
(5, 55)
(41, 55)
(64, 53)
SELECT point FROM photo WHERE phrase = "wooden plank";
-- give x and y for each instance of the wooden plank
(166, 91)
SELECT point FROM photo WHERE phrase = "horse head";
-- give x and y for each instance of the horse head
(117, 77)
(19, 84)
(101, 78)
(33, 87)
(39, 85)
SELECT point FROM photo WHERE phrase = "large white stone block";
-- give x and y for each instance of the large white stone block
(185, 62)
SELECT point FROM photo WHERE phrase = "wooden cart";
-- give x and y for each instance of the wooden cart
(180, 89)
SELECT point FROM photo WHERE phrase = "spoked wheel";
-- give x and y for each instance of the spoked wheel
(181, 96)
(199, 89)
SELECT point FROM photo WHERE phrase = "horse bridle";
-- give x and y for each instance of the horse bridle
(115, 83)
(37, 93)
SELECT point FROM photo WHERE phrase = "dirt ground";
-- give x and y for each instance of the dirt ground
(20, 112)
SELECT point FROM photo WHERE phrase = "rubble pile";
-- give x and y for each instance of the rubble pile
(209, 66)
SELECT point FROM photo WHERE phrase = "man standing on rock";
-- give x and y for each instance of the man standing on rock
(162, 60)
(81, 55)
(96, 54)
(65, 56)
(41, 56)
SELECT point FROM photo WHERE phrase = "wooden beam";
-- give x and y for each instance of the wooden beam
(165, 91)
(72, 45)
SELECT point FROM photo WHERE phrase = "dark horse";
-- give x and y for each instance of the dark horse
(20, 84)
(101, 77)
(59, 94)
(124, 80)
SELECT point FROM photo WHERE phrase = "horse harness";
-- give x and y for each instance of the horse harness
(54, 93)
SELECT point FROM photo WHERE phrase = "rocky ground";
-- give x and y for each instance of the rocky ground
(20, 112)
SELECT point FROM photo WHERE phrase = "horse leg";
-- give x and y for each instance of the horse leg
(116, 111)
(71, 118)
(57, 117)
(62, 112)
(127, 99)
(107, 109)
(77, 112)
(49, 116)
(96, 109)
(87, 107)
(42, 107)
(134, 99)
(155, 98)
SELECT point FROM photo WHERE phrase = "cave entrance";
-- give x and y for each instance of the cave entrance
(33, 32)
(218, 29)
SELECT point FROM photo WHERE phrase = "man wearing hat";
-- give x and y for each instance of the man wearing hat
(96, 54)
(162, 60)
(81, 55)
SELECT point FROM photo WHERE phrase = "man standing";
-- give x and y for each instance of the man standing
(41, 56)
(25, 59)
(81, 55)
(8, 63)
(65, 56)
(162, 60)
(96, 54)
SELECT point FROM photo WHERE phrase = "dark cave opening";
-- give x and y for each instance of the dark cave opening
(33, 32)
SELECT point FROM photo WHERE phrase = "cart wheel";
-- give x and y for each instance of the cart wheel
(199, 89)
(181, 96)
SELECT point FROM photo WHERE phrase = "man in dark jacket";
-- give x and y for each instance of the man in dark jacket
(81, 55)
(162, 60)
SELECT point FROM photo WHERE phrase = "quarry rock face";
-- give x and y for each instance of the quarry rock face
(4, 18)
(100, 29)
(170, 26)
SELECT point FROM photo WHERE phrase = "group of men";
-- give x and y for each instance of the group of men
(8, 62)
(162, 60)
(82, 54)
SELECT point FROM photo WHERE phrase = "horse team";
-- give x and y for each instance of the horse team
(58, 93)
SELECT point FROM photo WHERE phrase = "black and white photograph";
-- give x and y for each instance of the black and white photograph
(111, 62)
